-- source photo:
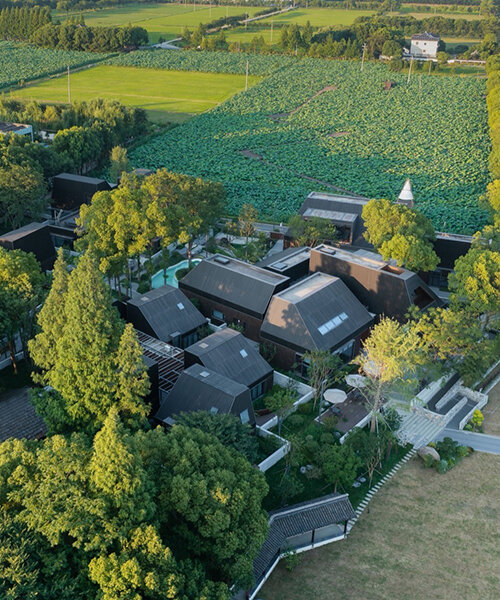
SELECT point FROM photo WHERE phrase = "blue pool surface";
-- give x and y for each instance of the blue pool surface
(158, 280)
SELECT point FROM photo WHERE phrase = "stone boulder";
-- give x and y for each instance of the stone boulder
(428, 451)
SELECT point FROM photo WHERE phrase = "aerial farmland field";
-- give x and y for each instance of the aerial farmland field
(20, 62)
(320, 124)
(160, 91)
(162, 20)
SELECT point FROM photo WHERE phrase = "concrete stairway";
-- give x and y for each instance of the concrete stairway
(418, 429)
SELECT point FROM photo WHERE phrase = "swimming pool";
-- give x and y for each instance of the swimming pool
(158, 280)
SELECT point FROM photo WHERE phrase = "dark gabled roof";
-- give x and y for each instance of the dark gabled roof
(231, 354)
(25, 231)
(34, 238)
(18, 418)
(235, 283)
(426, 36)
(297, 519)
(319, 312)
(12, 127)
(167, 311)
(199, 388)
(378, 284)
(79, 178)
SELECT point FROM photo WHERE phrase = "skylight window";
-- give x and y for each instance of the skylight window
(180, 306)
(243, 353)
(204, 374)
(332, 323)
(214, 410)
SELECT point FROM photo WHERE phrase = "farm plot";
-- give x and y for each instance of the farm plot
(208, 62)
(354, 136)
(20, 62)
(161, 92)
(163, 20)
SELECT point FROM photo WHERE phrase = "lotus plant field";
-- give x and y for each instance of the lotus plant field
(20, 62)
(208, 62)
(325, 125)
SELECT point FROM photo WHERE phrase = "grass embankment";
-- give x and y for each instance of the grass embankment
(491, 412)
(427, 536)
(166, 95)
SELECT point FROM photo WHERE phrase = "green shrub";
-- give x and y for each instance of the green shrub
(327, 438)
(330, 422)
(143, 287)
(295, 420)
(429, 462)
(442, 466)
(305, 409)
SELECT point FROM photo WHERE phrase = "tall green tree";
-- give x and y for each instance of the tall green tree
(22, 195)
(209, 501)
(339, 465)
(96, 362)
(21, 287)
(390, 358)
(475, 284)
(312, 232)
(119, 162)
(400, 233)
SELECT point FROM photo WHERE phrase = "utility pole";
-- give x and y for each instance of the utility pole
(227, 12)
(246, 22)
(272, 30)
(69, 89)
(210, 11)
(246, 78)
(363, 57)
(409, 70)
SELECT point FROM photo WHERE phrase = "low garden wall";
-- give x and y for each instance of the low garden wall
(277, 455)
(304, 391)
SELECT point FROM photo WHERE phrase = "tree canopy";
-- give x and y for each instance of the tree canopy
(86, 355)
(400, 233)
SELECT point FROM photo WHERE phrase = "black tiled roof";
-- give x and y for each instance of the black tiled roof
(295, 316)
(231, 354)
(166, 311)
(300, 518)
(235, 283)
(18, 418)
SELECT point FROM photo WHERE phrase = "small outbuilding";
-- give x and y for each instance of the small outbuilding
(231, 354)
(16, 128)
(166, 314)
(317, 313)
(199, 388)
(34, 238)
(70, 191)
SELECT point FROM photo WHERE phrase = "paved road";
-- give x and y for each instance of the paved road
(478, 441)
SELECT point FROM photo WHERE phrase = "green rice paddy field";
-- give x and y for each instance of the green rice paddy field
(159, 91)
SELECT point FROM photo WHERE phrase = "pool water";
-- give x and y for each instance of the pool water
(158, 280)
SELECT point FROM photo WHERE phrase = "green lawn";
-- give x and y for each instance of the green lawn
(156, 90)
(161, 20)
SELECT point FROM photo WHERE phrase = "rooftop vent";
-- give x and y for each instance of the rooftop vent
(203, 345)
(222, 260)
(204, 374)
(328, 250)
(144, 299)
(279, 266)
(214, 410)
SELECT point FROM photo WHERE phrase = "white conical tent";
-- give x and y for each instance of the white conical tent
(406, 194)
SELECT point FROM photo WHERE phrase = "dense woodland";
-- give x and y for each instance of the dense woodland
(86, 133)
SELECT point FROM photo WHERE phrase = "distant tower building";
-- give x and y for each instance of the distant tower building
(406, 195)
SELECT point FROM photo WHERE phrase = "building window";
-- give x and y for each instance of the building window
(216, 314)
(257, 391)
(345, 352)
(214, 410)
(244, 416)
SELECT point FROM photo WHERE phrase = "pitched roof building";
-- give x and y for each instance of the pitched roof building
(34, 238)
(317, 313)
(344, 211)
(71, 191)
(231, 354)
(383, 288)
(199, 388)
(166, 314)
(233, 291)
(301, 527)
